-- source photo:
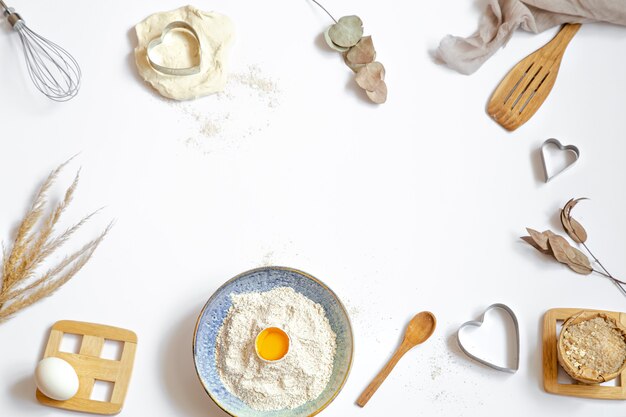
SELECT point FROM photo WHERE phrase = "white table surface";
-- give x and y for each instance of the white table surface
(413, 205)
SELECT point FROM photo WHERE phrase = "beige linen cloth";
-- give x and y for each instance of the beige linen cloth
(502, 17)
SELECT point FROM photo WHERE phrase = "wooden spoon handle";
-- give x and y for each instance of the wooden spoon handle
(378, 380)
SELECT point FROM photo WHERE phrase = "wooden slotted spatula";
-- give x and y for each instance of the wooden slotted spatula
(524, 89)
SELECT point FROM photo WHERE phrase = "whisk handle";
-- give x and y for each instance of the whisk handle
(9, 12)
(13, 18)
(4, 6)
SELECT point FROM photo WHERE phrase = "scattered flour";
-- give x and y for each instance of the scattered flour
(221, 120)
(301, 376)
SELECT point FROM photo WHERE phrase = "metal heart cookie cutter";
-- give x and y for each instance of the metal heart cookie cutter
(159, 40)
(478, 323)
(567, 148)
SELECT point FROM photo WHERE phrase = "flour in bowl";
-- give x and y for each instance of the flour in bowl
(301, 375)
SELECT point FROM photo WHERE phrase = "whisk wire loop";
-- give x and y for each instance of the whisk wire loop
(51, 68)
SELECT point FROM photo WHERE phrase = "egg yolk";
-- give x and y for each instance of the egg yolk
(272, 344)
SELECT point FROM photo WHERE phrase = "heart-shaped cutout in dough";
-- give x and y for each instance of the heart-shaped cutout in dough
(511, 364)
(176, 51)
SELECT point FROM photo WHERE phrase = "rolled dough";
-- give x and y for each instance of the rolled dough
(179, 49)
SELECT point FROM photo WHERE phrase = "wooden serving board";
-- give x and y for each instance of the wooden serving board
(91, 367)
(551, 366)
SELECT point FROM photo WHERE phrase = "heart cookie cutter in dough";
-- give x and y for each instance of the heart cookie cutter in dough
(159, 40)
(567, 148)
(479, 323)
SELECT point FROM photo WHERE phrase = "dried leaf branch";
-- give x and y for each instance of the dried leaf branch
(557, 246)
(346, 36)
(21, 283)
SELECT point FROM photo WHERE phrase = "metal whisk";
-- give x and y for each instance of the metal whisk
(51, 68)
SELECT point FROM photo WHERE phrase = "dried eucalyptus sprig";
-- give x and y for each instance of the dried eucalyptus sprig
(21, 281)
(557, 246)
(346, 36)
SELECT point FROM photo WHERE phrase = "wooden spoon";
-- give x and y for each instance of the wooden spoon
(420, 328)
(524, 89)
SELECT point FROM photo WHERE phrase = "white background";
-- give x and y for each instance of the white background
(413, 205)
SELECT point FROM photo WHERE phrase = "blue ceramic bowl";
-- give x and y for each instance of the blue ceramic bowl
(260, 280)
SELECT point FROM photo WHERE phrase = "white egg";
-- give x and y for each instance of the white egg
(56, 379)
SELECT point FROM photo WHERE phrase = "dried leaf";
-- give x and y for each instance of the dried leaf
(540, 239)
(565, 222)
(580, 263)
(571, 204)
(566, 208)
(558, 245)
(370, 76)
(580, 269)
(332, 44)
(534, 244)
(353, 67)
(347, 31)
(379, 95)
(362, 53)
(566, 254)
(579, 234)
(573, 228)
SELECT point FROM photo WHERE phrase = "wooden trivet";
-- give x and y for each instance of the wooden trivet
(551, 366)
(90, 367)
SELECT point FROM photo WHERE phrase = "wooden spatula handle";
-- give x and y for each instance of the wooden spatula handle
(382, 375)
(569, 30)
